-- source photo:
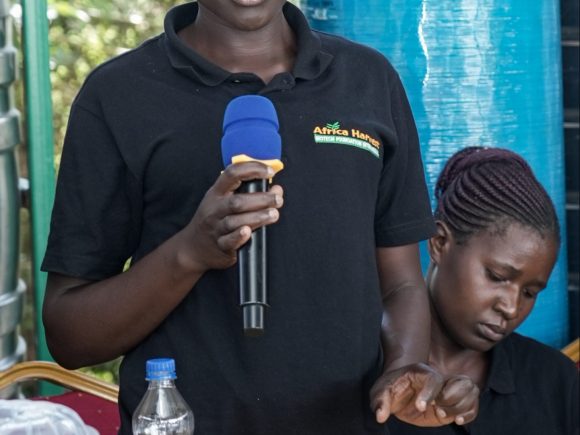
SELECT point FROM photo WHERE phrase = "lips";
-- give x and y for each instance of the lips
(492, 332)
(248, 2)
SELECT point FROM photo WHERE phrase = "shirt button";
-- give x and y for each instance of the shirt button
(236, 81)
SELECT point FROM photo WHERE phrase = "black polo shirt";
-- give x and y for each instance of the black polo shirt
(141, 150)
(532, 389)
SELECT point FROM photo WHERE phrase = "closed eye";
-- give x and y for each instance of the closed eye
(493, 276)
(530, 294)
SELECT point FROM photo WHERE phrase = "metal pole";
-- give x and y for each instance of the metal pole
(12, 290)
(40, 145)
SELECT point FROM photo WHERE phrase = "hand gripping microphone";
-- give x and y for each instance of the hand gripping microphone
(251, 134)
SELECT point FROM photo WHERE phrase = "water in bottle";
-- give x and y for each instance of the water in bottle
(162, 411)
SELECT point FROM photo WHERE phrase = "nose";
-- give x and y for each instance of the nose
(508, 303)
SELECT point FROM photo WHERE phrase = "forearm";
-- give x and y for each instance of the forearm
(91, 322)
(406, 321)
(405, 330)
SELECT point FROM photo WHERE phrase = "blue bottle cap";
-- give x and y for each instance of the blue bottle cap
(159, 369)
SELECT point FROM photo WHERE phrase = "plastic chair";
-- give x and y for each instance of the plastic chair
(93, 399)
(572, 351)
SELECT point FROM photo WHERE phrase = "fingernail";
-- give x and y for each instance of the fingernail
(459, 420)
(278, 200)
(441, 413)
(422, 405)
(270, 171)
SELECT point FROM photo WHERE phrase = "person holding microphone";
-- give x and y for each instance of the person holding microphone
(347, 329)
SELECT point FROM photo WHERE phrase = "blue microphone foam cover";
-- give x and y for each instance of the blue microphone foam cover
(251, 127)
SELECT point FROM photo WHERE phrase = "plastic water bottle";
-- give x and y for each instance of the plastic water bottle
(162, 411)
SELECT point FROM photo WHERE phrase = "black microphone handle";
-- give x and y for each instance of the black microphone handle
(252, 272)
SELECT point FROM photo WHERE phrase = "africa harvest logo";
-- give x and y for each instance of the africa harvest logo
(334, 134)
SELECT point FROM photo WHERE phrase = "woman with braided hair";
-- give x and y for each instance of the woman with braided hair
(495, 247)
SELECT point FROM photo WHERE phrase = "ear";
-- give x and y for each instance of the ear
(440, 242)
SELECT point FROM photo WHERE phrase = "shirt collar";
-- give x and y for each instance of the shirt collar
(501, 376)
(311, 60)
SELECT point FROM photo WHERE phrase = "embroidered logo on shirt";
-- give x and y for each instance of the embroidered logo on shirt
(333, 134)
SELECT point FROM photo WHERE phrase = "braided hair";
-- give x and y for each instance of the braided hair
(489, 189)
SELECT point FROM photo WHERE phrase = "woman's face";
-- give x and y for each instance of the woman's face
(246, 15)
(485, 288)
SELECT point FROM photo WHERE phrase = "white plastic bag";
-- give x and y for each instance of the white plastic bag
(33, 417)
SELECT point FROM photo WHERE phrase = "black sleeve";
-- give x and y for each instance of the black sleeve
(95, 220)
(403, 214)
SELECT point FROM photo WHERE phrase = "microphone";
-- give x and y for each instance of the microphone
(250, 133)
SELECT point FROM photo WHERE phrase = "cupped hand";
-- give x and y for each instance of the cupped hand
(419, 395)
(225, 219)
(404, 390)
(458, 401)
